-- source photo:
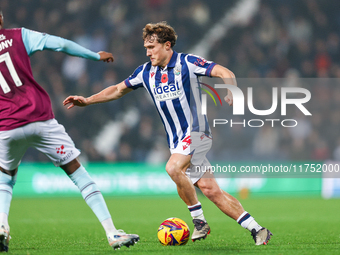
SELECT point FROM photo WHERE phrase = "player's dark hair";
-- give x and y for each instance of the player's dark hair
(163, 31)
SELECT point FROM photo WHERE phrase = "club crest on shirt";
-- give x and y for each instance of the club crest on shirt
(178, 69)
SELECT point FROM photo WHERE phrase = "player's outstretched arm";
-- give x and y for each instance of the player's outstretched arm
(228, 77)
(113, 92)
(56, 43)
(35, 41)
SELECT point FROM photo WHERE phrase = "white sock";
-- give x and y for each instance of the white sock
(108, 226)
(253, 224)
(196, 211)
(248, 222)
(6, 188)
(200, 217)
(4, 219)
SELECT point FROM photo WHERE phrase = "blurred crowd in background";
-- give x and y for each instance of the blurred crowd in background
(285, 39)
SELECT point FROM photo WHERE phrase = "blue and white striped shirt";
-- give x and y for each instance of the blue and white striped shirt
(175, 91)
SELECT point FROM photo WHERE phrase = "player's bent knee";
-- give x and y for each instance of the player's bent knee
(172, 170)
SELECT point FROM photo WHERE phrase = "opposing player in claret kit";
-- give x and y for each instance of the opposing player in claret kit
(27, 120)
(171, 80)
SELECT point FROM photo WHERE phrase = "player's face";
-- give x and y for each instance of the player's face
(159, 53)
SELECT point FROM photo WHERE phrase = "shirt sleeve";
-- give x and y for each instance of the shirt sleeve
(201, 67)
(36, 41)
(135, 80)
(33, 41)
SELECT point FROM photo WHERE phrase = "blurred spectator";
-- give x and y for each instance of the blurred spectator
(73, 68)
(300, 29)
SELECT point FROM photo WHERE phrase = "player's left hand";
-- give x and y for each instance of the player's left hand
(75, 101)
(229, 98)
(106, 56)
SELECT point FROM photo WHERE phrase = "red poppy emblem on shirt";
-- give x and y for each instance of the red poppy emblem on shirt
(164, 78)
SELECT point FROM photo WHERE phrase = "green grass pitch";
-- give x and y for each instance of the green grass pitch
(67, 226)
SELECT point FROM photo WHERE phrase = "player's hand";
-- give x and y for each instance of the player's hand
(75, 101)
(106, 56)
(229, 98)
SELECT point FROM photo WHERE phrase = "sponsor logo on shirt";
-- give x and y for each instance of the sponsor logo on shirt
(167, 91)
(2, 37)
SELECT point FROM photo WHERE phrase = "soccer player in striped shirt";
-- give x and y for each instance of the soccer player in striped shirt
(27, 120)
(171, 80)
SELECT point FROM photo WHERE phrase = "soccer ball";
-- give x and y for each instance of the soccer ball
(173, 231)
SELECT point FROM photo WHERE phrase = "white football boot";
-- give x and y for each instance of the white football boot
(120, 238)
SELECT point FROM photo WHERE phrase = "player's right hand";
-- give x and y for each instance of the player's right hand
(106, 56)
(229, 98)
(75, 101)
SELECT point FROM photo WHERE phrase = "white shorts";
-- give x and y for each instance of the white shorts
(197, 144)
(49, 137)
